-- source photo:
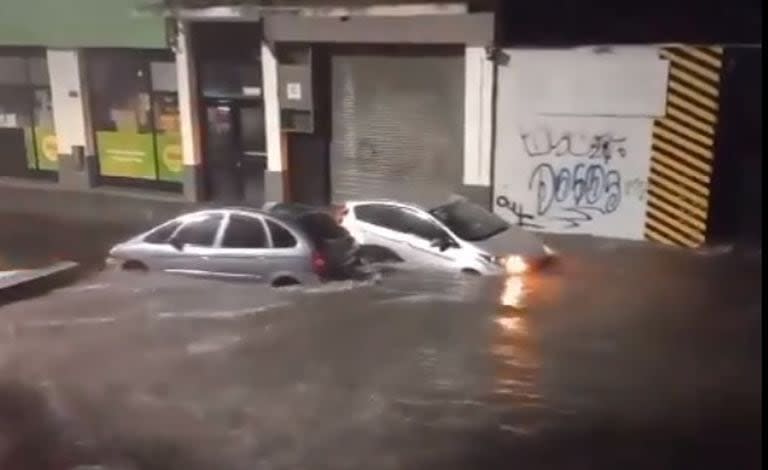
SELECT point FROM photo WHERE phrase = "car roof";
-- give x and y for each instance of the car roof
(391, 202)
(243, 209)
(229, 210)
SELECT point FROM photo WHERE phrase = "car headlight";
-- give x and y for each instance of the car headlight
(512, 264)
(549, 251)
(515, 265)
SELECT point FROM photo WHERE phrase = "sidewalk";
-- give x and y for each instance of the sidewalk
(24, 283)
(111, 205)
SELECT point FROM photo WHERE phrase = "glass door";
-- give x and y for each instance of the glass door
(223, 153)
(235, 151)
(253, 143)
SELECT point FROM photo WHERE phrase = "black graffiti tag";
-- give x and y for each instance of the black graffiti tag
(578, 186)
(524, 219)
(603, 146)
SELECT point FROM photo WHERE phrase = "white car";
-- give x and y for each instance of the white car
(459, 236)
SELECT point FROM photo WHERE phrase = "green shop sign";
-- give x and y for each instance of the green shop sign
(132, 155)
(126, 154)
(47, 149)
(29, 146)
(170, 166)
(44, 145)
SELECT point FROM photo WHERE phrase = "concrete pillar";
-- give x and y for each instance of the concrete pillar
(69, 98)
(478, 126)
(193, 178)
(274, 189)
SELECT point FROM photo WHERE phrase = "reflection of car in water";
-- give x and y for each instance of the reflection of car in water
(459, 236)
(236, 243)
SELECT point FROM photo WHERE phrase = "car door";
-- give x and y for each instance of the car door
(379, 225)
(195, 244)
(154, 248)
(421, 232)
(244, 251)
(288, 255)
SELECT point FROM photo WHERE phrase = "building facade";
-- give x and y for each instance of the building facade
(418, 101)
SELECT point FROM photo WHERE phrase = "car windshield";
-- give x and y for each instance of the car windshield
(469, 221)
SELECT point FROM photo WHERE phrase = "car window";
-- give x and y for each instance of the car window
(470, 221)
(281, 238)
(401, 220)
(421, 226)
(200, 231)
(244, 232)
(162, 233)
(381, 215)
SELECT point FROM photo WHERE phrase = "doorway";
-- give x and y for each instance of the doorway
(736, 195)
(235, 151)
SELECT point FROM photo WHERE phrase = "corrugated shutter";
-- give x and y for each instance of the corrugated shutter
(397, 126)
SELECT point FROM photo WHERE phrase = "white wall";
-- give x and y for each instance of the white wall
(186, 84)
(478, 116)
(271, 109)
(573, 138)
(70, 113)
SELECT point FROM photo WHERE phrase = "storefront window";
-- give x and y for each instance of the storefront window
(166, 106)
(27, 134)
(135, 116)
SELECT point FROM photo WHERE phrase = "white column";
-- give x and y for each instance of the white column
(69, 100)
(271, 109)
(478, 117)
(188, 99)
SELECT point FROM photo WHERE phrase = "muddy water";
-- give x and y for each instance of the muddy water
(620, 357)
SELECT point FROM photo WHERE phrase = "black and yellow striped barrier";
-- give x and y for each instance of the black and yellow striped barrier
(683, 148)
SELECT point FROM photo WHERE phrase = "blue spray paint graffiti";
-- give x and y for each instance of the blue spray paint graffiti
(575, 181)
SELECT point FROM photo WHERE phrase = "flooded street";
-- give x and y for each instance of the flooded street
(621, 356)
(33, 241)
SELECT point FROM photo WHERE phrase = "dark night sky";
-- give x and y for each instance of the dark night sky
(630, 21)
(558, 22)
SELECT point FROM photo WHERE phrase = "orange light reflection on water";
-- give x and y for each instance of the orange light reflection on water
(514, 292)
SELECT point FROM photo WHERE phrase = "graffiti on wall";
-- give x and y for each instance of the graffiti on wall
(572, 147)
(569, 179)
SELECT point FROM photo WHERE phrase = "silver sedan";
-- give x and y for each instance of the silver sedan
(235, 243)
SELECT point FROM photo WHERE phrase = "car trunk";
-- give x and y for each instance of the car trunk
(333, 243)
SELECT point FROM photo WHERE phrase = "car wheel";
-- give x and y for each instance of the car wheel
(285, 281)
(134, 266)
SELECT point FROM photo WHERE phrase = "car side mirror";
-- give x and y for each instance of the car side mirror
(441, 243)
(176, 243)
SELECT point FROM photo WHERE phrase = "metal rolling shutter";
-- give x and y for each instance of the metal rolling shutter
(397, 126)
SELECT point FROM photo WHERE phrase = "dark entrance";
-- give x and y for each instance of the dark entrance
(736, 213)
(229, 74)
(234, 151)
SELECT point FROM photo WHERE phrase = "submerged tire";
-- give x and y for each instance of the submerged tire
(285, 281)
(134, 266)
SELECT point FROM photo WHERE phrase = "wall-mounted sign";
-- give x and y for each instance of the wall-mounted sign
(293, 91)
(127, 154)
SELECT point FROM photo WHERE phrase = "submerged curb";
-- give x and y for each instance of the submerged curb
(17, 285)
